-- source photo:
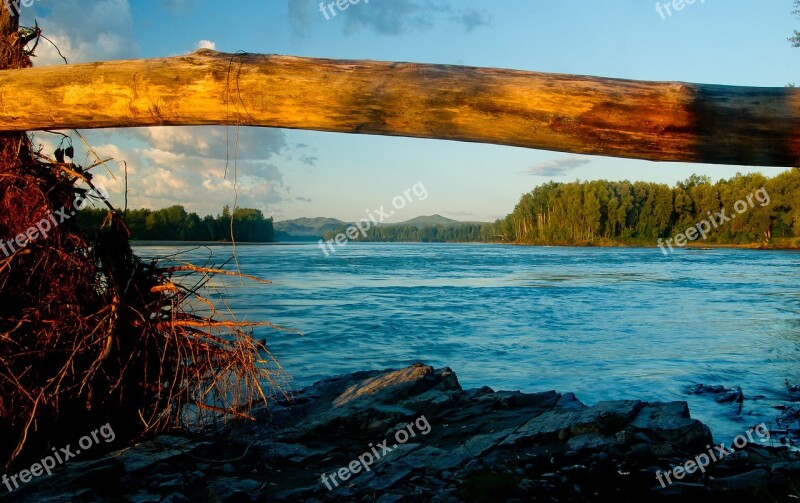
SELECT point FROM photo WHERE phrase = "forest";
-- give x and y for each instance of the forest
(606, 212)
(602, 212)
(463, 233)
(175, 224)
(598, 212)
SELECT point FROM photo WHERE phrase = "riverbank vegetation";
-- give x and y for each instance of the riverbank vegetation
(625, 212)
(176, 224)
(606, 213)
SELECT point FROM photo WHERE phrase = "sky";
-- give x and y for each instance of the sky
(290, 174)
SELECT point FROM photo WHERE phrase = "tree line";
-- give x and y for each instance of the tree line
(464, 233)
(555, 213)
(607, 213)
(641, 212)
(176, 224)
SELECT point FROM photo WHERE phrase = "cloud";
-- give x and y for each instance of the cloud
(309, 160)
(206, 44)
(193, 166)
(473, 19)
(86, 30)
(397, 17)
(300, 14)
(304, 199)
(556, 167)
(388, 17)
(214, 142)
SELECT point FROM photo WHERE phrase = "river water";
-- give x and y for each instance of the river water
(604, 323)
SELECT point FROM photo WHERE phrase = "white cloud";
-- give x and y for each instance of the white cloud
(206, 44)
(86, 30)
(187, 166)
(214, 142)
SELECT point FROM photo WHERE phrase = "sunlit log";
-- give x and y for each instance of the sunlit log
(659, 121)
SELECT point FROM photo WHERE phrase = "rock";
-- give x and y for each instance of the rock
(680, 490)
(517, 400)
(139, 497)
(443, 497)
(759, 455)
(436, 459)
(749, 481)
(602, 418)
(670, 422)
(172, 483)
(569, 401)
(591, 442)
(293, 453)
(786, 466)
(390, 387)
(734, 395)
(391, 498)
(151, 453)
(176, 498)
(704, 389)
(381, 483)
(413, 434)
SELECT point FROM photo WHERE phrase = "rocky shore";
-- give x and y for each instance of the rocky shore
(415, 435)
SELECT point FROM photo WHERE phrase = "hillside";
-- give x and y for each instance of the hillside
(428, 221)
(305, 229)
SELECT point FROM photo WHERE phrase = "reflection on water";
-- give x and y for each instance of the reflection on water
(604, 323)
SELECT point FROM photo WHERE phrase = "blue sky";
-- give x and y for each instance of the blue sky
(290, 174)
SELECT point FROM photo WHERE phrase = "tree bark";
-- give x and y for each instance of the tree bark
(11, 57)
(658, 121)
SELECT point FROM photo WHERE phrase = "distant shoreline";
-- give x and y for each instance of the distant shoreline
(151, 242)
(688, 246)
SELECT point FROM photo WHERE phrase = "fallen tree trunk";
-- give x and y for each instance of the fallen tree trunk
(659, 121)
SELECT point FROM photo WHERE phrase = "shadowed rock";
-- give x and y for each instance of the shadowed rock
(414, 434)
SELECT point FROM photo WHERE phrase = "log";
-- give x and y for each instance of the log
(657, 121)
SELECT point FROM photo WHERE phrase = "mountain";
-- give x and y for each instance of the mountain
(433, 220)
(313, 229)
(306, 229)
(427, 221)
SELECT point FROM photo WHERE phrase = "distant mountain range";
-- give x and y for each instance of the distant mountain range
(428, 221)
(312, 229)
(306, 229)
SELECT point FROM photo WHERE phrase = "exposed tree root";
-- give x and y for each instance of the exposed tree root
(89, 332)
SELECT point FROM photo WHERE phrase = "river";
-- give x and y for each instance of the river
(605, 323)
